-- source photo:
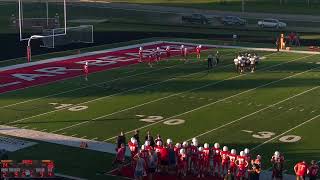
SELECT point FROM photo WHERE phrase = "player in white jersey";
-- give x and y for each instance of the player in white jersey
(236, 63)
(252, 63)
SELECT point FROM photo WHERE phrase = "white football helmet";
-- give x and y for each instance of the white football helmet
(185, 144)
(158, 48)
(225, 148)
(233, 151)
(140, 48)
(168, 47)
(206, 145)
(143, 147)
(200, 149)
(259, 157)
(182, 46)
(86, 63)
(246, 151)
(178, 145)
(169, 141)
(182, 151)
(159, 143)
(277, 153)
(132, 139)
(135, 141)
(194, 140)
(200, 46)
(147, 143)
(241, 153)
(217, 145)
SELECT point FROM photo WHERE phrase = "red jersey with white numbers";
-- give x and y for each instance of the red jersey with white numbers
(225, 157)
(133, 149)
(216, 154)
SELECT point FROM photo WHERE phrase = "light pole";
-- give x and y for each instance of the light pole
(29, 45)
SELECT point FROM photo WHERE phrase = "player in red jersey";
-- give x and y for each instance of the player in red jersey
(133, 146)
(144, 154)
(200, 162)
(147, 145)
(257, 161)
(313, 170)
(248, 159)
(150, 59)
(206, 158)
(158, 54)
(242, 164)
(182, 163)
(164, 159)
(198, 51)
(182, 52)
(232, 159)
(301, 170)
(158, 149)
(177, 148)
(86, 70)
(168, 52)
(277, 161)
(225, 159)
(120, 158)
(140, 54)
(193, 155)
(216, 158)
(186, 147)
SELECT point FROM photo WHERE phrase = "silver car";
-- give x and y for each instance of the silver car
(271, 23)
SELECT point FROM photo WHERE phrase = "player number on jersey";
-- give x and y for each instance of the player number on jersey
(154, 119)
(268, 135)
(69, 107)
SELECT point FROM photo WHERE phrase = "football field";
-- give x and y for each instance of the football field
(274, 108)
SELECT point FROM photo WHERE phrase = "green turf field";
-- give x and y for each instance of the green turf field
(262, 110)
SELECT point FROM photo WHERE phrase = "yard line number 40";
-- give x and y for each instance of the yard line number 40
(153, 119)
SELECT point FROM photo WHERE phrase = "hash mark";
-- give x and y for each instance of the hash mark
(140, 115)
(247, 131)
(83, 137)
(280, 107)
(313, 111)
(249, 104)
(64, 133)
(301, 110)
(73, 135)
(291, 109)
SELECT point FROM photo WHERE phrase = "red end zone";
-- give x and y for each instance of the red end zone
(24, 75)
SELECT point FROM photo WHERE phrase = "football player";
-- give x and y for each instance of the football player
(216, 158)
(194, 155)
(248, 159)
(158, 149)
(242, 164)
(198, 51)
(86, 70)
(182, 51)
(133, 146)
(168, 52)
(252, 63)
(185, 54)
(277, 161)
(313, 170)
(158, 54)
(236, 63)
(206, 158)
(200, 162)
(147, 145)
(225, 159)
(144, 154)
(232, 159)
(182, 163)
(140, 54)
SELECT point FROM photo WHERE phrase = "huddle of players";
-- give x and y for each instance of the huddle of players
(196, 160)
(155, 55)
(245, 61)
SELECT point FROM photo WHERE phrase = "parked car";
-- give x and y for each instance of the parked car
(271, 23)
(233, 20)
(195, 18)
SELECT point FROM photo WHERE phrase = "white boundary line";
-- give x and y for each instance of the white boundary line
(149, 102)
(108, 96)
(305, 122)
(249, 90)
(260, 110)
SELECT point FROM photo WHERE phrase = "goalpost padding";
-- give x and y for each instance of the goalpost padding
(78, 34)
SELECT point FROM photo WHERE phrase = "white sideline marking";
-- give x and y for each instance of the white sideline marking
(248, 115)
(176, 94)
(83, 137)
(69, 177)
(103, 97)
(43, 130)
(215, 102)
(94, 138)
(73, 135)
(265, 142)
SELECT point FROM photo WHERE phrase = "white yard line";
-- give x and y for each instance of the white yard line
(149, 102)
(221, 100)
(305, 122)
(103, 97)
(260, 110)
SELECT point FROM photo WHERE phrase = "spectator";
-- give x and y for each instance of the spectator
(153, 163)
(301, 170)
(313, 170)
(120, 157)
(136, 136)
(150, 139)
(139, 170)
(121, 140)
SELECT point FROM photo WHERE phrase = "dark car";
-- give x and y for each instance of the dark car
(233, 20)
(195, 18)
